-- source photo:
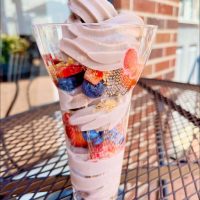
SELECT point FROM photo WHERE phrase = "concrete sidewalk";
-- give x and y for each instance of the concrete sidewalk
(41, 91)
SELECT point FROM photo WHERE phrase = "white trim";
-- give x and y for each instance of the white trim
(167, 2)
(162, 72)
(164, 45)
(161, 59)
(167, 31)
(190, 22)
(156, 15)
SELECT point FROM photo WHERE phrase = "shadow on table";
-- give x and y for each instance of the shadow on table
(19, 66)
(33, 152)
(162, 151)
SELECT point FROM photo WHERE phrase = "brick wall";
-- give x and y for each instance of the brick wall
(164, 14)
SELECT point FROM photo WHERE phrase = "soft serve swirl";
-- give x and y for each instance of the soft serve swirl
(102, 44)
(92, 11)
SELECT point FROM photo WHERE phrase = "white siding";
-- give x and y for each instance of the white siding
(187, 52)
(18, 15)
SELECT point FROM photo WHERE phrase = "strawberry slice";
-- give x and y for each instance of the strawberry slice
(49, 60)
(75, 136)
(97, 152)
(132, 69)
(64, 72)
(103, 150)
(73, 132)
(56, 61)
(93, 76)
(131, 62)
(65, 118)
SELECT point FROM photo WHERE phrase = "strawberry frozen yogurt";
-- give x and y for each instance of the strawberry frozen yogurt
(103, 44)
(95, 86)
(95, 59)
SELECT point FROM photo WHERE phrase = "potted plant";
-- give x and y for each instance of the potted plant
(10, 45)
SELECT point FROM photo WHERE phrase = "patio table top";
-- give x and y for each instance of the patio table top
(162, 156)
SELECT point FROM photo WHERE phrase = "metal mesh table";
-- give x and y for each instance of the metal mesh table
(161, 161)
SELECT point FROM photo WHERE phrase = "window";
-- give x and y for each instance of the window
(17, 16)
(189, 11)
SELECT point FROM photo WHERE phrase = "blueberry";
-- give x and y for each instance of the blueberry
(70, 83)
(90, 135)
(93, 91)
(97, 141)
(84, 133)
(101, 133)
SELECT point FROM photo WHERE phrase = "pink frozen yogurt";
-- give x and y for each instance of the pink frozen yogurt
(95, 59)
(100, 45)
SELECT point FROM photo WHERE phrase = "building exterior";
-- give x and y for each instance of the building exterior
(188, 41)
(176, 46)
(17, 16)
(177, 42)
(164, 14)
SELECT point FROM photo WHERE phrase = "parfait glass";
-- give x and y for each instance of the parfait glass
(95, 68)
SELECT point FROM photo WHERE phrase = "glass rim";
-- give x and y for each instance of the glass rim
(94, 24)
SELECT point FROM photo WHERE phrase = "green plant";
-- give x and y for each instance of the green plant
(11, 45)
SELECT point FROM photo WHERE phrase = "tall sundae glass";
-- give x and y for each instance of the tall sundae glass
(95, 66)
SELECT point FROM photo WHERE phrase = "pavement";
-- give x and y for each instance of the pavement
(41, 91)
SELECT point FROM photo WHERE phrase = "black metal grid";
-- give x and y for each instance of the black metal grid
(161, 161)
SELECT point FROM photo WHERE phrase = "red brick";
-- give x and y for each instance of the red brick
(170, 51)
(169, 76)
(151, 6)
(147, 70)
(172, 24)
(158, 22)
(144, 6)
(165, 9)
(174, 37)
(175, 1)
(162, 38)
(176, 11)
(155, 53)
(173, 63)
(161, 66)
(121, 4)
